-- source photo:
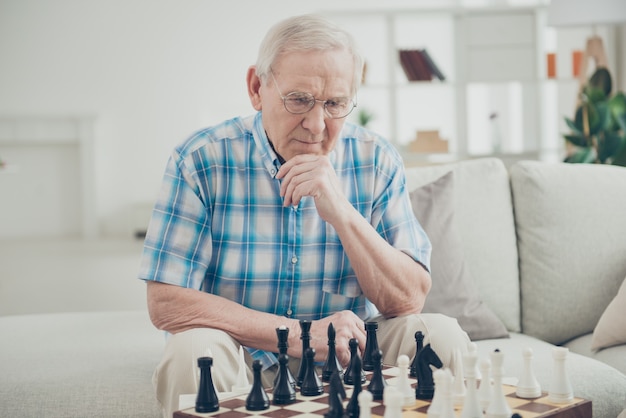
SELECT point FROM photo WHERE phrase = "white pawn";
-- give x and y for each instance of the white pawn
(458, 384)
(560, 390)
(528, 387)
(365, 403)
(447, 402)
(404, 384)
(498, 407)
(434, 410)
(472, 348)
(392, 398)
(485, 388)
(242, 385)
(471, 405)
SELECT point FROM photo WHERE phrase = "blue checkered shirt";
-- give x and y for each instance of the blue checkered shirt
(219, 224)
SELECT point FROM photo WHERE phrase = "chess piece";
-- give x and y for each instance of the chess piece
(442, 404)
(560, 390)
(305, 336)
(365, 404)
(528, 387)
(348, 376)
(393, 403)
(336, 395)
(311, 383)
(403, 383)
(419, 344)
(242, 385)
(486, 387)
(458, 384)
(471, 404)
(472, 347)
(356, 370)
(257, 399)
(284, 393)
(282, 333)
(377, 383)
(371, 347)
(332, 362)
(498, 406)
(206, 399)
(425, 388)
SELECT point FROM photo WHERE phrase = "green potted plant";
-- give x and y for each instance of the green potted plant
(598, 130)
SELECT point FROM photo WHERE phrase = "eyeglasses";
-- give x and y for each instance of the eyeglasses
(298, 102)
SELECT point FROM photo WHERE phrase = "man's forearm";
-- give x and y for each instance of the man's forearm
(390, 279)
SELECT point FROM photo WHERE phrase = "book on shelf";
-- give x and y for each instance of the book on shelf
(418, 65)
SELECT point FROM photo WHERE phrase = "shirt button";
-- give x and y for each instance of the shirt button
(294, 259)
(273, 172)
(289, 312)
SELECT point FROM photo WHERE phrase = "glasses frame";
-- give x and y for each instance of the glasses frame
(313, 102)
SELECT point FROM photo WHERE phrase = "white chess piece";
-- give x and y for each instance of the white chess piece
(528, 387)
(434, 410)
(560, 390)
(472, 347)
(447, 402)
(365, 403)
(392, 398)
(458, 384)
(485, 388)
(242, 385)
(404, 384)
(471, 405)
(498, 407)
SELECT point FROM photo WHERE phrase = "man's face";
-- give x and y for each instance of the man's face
(325, 75)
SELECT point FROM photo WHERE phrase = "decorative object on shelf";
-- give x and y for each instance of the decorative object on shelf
(428, 142)
(551, 64)
(364, 116)
(418, 65)
(562, 13)
(599, 125)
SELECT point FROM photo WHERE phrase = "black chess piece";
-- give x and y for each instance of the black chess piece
(352, 370)
(257, 399)
(336, 395)
(425, 388)
(332, 362)
(419, 342)
(352, 409)
(305, 336)
(377, 383)
(371, 346)
(284, 393)
(206, 400)
(311, 383)
(282, 334)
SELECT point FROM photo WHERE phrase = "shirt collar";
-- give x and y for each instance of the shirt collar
(269, 157)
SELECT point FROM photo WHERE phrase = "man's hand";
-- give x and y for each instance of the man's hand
(313, 175)
(347, 325)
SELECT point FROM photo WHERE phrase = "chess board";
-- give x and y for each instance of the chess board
(317, 406)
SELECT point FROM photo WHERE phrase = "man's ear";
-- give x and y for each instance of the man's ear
(254, 86)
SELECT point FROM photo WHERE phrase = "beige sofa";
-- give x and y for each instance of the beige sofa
(537, 252)
(532, 256)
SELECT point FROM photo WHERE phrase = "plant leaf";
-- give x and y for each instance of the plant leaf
(582, 156)
(608, 146)
(578, 140)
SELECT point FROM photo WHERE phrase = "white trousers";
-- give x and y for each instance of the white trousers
(177, 372)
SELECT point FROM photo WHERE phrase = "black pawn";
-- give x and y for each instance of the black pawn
(257, 399)
(352, 369)
(206, 400)
(305, 336)
(332, 364)
(311, 384)
(371, 346)
(336, 395)
(352, 409)
(282, 333)
(377, 383)
(283, 393)
(419, 342)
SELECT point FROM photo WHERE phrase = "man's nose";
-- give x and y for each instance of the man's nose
(315, 119)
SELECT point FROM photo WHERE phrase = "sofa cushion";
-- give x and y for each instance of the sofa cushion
(571, 226)
(610, 329)
(453, 292)
(484, 218)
